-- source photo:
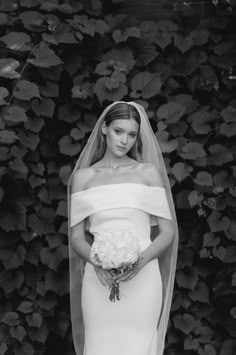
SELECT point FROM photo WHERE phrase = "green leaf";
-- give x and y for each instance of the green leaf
(207, 350)
(39, 334)
(49, 89)
(3, 19)
(17, 41)
(122, 56)
(62, 209)
(34, 320)
(210, 240)
(217, 222)
(164, 34)
(15, 218)
(7, 137)
(203, 178)
(18, 332)
(185, 322)
(171, 111)
(231, 231)
(228, 347)
(25, 349)
(3, 93)
(26, 90)
(183, 43)
(11, 281)
(7, 68)
(146, 85)
(45, 58)
(15, 114)
(191, 343)
(10, 318)
(192, 151)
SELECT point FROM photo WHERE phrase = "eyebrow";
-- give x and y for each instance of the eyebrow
(123, 129)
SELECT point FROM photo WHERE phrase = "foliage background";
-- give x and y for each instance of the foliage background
(61, 63)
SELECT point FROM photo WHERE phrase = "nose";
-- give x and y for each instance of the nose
(124, 139)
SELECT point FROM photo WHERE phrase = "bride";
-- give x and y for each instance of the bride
(120, 185)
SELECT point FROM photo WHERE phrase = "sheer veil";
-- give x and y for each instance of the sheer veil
(167, 261)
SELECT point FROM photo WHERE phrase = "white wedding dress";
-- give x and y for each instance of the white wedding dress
(128, 326)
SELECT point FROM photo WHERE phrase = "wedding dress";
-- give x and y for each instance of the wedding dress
(128, 326)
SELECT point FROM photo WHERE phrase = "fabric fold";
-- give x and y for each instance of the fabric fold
(150, 199)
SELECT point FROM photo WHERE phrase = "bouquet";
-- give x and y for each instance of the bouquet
(117, 251)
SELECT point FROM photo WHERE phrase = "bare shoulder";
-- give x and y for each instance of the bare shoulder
(152, 174)
(81, 178)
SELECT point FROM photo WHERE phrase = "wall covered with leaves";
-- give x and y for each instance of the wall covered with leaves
(61, 63)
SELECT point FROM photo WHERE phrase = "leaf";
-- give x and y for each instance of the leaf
(228, 114)
(62, 209)
(32, 20)
(15, 114)
(39, 334)
(14, 219)
(25, 349)
(210, 240)
(3, 93)
(123, 55)
(26, 90)
(103, 93)
(163, 35)
(53, 258)
(64, 173)
(10, 318)
(7, 137)
(228, 347)
(191, 343)
(217, 223)
(199, 121)
(44, 107)
(11, 281)
(187, 279)
(34, 320)
(181, 171)
(25, 307)
(17, 41)
(67, 147)
(185, 322)
(147, 54)
(171, 111)
(192, 151)
(219, 155)
(49, 89)
(231, 231)
(166, 145)
(146, 84)
(7, 68)
(195, 198)
(200, 293)
(18, 332)
(3, 347)
(45, 58)
(203, 178)
(228, 130)
(12, 259)
(207, 350)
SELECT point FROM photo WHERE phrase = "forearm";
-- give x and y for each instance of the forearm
(157, 247)
(82, 249)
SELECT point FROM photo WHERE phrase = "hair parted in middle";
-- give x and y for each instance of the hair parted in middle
(124, 111)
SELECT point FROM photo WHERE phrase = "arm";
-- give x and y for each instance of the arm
(166, 230)
(79, 242)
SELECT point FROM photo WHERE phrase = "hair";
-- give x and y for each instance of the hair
(124, 111)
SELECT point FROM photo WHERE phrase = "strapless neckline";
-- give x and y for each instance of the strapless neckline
(118, 185)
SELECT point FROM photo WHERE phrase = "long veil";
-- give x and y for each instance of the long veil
(167, 261)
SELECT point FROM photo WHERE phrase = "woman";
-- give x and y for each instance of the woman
(119, 184)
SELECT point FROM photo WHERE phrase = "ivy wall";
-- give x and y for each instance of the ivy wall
(61, 63)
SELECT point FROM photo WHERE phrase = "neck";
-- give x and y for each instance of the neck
(112, 160)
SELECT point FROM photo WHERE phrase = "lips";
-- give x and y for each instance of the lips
(121, 148)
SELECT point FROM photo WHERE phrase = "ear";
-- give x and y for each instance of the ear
(104, 128)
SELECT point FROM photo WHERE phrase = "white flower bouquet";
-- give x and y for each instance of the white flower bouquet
(117, 251)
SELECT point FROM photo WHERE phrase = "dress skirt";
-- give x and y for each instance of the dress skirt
(127, 326)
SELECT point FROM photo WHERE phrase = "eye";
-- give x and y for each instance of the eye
(133, 135)
(118, 131)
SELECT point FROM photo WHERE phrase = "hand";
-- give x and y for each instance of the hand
(128, 275)
(104, 276)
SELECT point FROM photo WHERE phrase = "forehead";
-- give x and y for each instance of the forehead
(126, 124)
